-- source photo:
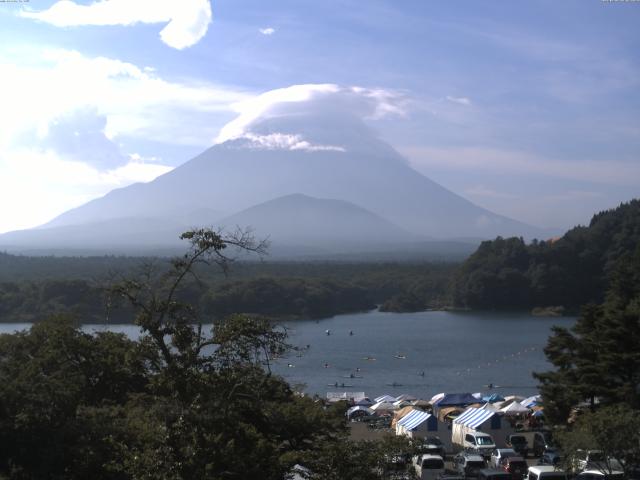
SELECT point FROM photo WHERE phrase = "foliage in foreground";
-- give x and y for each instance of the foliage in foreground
(180, 403)
(614, 431)
(598, 360)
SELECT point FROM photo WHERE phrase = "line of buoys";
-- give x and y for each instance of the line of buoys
(495, 363)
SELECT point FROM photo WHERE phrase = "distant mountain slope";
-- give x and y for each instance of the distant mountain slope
(570, 271)
(229, 179)
(239, 174)
(120, 235)
(306, 221)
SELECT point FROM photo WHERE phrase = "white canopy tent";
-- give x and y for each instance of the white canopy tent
(514, 408)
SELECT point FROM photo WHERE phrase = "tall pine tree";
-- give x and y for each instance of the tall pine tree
(598, 360)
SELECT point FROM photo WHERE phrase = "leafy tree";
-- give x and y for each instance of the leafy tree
(569, 271)
(362, 460)
(599, 358)
(51, 375)
(180, 403)
(615, 431)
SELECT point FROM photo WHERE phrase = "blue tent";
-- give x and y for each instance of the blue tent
(456, 400)
(493, 398)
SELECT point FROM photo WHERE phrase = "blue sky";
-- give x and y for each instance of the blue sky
(531, 109)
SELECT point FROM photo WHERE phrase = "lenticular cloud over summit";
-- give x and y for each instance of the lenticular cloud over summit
(312, 117)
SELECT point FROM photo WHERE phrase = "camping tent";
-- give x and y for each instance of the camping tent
(398, 414)
(406, 396)
(514, 408)
(493, 398)
(385, 398)
(484, 420)
(532, 401)
(437, 397)
(383, 407)
(363, 401)
(456, 400)
(358, 411)
(448, 413)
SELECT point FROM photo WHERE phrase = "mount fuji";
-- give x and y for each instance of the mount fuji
(303, 177)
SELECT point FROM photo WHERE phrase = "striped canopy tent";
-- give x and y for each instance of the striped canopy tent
(515, 408)
(385, 398)
(363, 401)
(412, 420)
(358, 411)
(398, 414)
(474, 417)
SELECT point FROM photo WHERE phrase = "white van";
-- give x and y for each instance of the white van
(546, 472)
(428, 467)
(479, 442)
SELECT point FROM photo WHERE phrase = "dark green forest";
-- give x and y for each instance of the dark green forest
(32, 288)
(570, 271)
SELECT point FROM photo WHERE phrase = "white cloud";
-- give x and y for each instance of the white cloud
(39, 185)
(187, 20)
(459, 100)
(135, 102)
(311, 116)
(469, 159)
(61, 118)
(281, 141)
(267, 31)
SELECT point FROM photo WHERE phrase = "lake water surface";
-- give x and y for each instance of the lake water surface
(458, 352)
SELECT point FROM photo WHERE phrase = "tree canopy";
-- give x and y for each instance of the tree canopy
(598, 360)
(569, 271)
(179, 403)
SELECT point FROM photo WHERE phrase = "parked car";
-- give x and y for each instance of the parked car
(550, 456)
(479, 442)
(493, 474)
(546, 472)
(588, 459)
(432, 445)
(541, 442)
(519, 443)
(468, 464)
(499, 453)
(428, 467)
(516, 466)
(598, 475)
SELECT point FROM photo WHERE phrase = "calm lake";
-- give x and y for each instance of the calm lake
(458, 352)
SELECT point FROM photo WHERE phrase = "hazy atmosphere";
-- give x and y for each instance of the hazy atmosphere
(320, 239)
(529, 110)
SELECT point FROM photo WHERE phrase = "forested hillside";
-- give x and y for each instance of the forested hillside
(33, 288)
(570, 271)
